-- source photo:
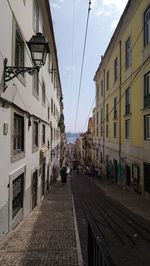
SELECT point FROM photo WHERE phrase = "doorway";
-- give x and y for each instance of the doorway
(43, 179)
(34, 189)
(128, 175)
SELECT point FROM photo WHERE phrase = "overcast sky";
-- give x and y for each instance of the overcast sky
(69, 22)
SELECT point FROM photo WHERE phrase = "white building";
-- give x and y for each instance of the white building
(30, 110)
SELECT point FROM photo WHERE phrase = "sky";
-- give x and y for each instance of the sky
(69, 22)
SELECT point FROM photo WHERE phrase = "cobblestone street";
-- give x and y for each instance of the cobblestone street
(47, 236)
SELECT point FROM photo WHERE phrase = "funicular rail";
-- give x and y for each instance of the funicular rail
(116, 236)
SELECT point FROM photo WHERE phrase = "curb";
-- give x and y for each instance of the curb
(79, 252)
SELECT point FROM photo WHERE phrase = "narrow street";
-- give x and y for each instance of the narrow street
(124, 235)
(47, 236)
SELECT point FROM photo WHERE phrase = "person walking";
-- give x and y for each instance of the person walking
(63, 173)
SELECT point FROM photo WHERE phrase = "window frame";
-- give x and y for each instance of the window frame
(43, 93)
(147, 89)
(147, 127)
(127, 130)
(115, 108)
(128, 53)
(115, 130)
(43, 134)
(18, 134)
(35, 84)
(35, 16)
(128, 101)
(115, 69)
(17, 195)
(107, 80)
(146, 27)
(35, 134)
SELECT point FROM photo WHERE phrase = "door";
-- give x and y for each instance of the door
(43, 179)
(147, 177)
(48, 183)
(128, 175)
(115, 170)
(34, 189)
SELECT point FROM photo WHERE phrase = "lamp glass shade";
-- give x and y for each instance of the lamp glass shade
(38, 48)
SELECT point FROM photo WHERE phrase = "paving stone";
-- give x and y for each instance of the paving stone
(46, 237)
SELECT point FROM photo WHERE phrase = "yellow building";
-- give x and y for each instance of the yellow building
(122, 111)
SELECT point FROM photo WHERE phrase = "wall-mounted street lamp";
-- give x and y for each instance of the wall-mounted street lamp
(38, 48)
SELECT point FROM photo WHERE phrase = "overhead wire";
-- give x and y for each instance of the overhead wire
(81, 72)
(72, 55)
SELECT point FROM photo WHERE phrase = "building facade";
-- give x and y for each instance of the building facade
(30, 111)
(122, 111)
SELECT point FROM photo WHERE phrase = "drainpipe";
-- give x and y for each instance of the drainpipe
(120, 83)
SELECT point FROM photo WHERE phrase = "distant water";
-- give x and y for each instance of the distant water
(71, 138)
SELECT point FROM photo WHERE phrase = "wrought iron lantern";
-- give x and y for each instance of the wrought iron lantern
(38, 48)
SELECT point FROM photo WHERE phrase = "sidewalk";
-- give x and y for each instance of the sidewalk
(48, 236)
(127, 197)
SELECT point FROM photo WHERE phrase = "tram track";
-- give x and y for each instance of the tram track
(116, 226)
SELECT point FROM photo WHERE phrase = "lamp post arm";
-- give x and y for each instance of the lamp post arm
(11, 72)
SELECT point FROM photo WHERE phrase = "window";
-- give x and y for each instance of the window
(43, 134)
(51, 134)
(127, 101)
(18, 140)
(107, 131)
(51, 105)
(147, 89)
(107, 114)
(107, 80)
(48, 113)
(115, 108)
(127, 129)
(97, 119)
(97, 131)
(97, 93)
(54, 109)
(19, 50)
(147, 26)
(128, 52)
(101, 131)
(115, 69)
(115, 129)
(43, 93)
(101, 115)
(52, 73)
(102, 88)
(35, 133)
(35, 16)
(147, 127)
(17, 198)
(36, 83)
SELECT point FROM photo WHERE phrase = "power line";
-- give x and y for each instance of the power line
(72, 53)
(82, 64)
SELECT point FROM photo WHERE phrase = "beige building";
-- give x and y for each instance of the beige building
(122, 111)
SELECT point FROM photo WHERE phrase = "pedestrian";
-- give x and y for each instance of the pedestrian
(63, 174)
